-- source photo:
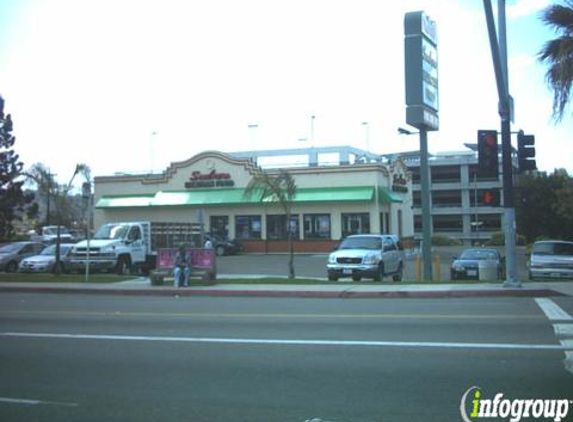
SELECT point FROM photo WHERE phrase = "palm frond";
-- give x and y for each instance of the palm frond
(559, 17)
(557, 54)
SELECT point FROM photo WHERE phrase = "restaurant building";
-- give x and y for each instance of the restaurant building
(354, 195)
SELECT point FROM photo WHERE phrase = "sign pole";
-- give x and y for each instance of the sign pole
(426, 207)
(421, 71)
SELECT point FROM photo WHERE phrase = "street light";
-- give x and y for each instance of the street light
(403, 131)
(367, 134)
(253, 129)
(151, 139)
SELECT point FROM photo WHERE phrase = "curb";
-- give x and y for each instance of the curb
(188, 292)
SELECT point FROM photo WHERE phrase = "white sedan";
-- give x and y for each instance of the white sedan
(46, 260)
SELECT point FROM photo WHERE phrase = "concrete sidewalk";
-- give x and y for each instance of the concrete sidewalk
(143, 287)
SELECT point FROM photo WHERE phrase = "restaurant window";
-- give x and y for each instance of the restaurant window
(317, 226)
(220, 225)
(355, 224)
(277, 227)
(248, 226)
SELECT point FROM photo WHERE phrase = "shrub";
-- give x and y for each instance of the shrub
(444, 241)
(498, 239)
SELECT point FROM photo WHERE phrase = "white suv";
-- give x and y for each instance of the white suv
(551, 259)
(366, 255)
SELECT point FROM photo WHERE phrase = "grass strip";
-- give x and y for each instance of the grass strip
(62, 278)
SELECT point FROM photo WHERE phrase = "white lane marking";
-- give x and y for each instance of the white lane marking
(33, 402)
(278, 342)
(553, 311)
(563, 330)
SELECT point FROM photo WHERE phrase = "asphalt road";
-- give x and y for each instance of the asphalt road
(88, 358)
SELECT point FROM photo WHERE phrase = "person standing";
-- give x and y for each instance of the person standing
(182, 264)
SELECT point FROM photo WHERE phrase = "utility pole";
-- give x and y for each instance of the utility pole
(499, 56)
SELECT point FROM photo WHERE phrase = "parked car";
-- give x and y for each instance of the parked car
(551, 259)
(77, 235)
(12, 253)
(46, 260)
(366, 255)
(466, 266)
(50, 235)
(224, 246)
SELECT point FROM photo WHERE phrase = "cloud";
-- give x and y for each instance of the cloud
(523, 8)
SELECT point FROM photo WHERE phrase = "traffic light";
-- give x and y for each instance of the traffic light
(526, 152)
(488, 159)
(490, 198)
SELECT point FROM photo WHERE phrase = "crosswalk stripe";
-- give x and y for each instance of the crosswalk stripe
(553, 311)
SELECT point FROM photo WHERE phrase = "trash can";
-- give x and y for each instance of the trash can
(487, 270)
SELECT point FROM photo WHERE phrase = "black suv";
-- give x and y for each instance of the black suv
(224, 246)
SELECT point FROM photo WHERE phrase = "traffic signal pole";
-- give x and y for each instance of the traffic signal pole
(499, 56)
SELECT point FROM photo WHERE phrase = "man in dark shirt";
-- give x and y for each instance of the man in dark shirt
(182, 264)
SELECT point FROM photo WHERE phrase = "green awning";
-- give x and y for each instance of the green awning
(235, 196)
(386, 196)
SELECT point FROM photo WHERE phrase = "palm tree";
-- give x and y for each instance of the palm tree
(558, 55)
(279, 188)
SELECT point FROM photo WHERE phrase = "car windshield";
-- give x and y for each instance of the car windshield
(478, 254)
(553, 248)
(112, 231)
(51, 250)
(361, 243)
(53, 230)
(10, 248)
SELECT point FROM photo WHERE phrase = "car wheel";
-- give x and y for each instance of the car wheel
(332, 277)
(12, 267)
(356, 278)
(380, 275)
(398, 275)
(122, 266)
(220, 250)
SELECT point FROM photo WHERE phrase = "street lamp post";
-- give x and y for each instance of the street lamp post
(253, 130)
(366, 127)
(151, 138)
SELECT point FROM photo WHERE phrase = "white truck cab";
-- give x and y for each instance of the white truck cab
(115, 246)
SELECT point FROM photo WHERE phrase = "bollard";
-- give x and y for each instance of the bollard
(437, 271)
(418, 268)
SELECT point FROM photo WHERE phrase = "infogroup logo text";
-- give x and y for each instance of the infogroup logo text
(512, 409)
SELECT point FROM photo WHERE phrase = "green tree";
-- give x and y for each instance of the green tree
(544, 206)
(279, 188)
(59, 194)
(14, 202)
(557, 54)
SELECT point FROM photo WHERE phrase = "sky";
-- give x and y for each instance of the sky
(132, 85)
